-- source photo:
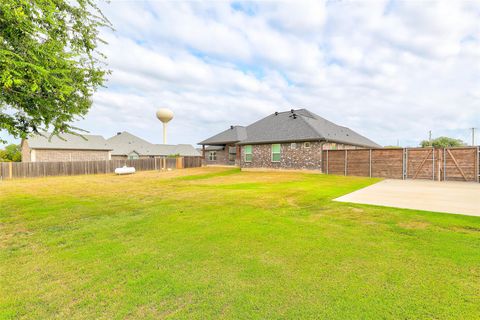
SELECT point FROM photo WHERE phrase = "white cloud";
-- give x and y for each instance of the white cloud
(388, 69)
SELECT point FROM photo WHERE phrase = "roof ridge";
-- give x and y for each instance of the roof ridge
(312, 128)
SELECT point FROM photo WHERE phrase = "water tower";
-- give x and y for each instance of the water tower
(164, 115)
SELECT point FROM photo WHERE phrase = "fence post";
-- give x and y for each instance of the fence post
(10, 170)
(346, 161)
(444, 164)
(433, 164)
(327, 161)
(477, 164)
(370, 163)
(406, 163)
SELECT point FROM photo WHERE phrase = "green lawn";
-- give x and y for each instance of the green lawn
(219, 243)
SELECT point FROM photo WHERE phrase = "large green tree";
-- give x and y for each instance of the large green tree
(442, 142)
(11, 152)
(49, 63)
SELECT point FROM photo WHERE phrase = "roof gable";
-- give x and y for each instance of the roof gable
(232, 135)
(125, 142)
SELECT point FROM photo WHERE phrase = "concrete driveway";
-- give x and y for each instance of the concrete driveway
(449, 197)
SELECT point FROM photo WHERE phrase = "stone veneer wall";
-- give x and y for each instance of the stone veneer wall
(291, 158)
(49, 155)
(299, 157)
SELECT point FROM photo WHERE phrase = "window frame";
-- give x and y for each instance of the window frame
(307, 144)
(214, 153)
(250, 153)
(275, 153)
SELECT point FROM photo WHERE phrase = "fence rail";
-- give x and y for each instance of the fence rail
(452, 164)
(12, 170)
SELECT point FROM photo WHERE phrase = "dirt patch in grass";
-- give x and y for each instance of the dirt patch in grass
(421, 225)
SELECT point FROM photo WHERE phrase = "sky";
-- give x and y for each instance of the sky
(390, 70)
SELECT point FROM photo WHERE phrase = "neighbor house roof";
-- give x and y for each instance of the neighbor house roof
(124, 143)
(232, 135)
(290, 126)
(68, 141)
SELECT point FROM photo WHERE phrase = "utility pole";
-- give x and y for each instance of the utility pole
(473, 136)
(430, 136)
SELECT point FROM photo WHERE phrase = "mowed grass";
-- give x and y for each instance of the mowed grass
(219, 243)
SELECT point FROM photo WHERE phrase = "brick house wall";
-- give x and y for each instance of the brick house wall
(293, 155)
(51, 155)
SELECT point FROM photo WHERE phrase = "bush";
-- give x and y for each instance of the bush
(442, 142)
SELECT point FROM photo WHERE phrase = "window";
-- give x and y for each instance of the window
(133, 156)
(293, 145)
(276, 152)
(306, 145)
(248, 153)
(232, 153)
(212, 156)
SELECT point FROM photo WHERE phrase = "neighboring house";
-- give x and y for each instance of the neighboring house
(92, 148)
(67, 147)
(290, 140)
(128, 146)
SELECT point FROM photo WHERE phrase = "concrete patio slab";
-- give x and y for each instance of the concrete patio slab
(448, 197)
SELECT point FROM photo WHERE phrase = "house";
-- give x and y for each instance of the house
(222, 149)
(124, 145)
(293, 139)
(67, 147)
(128, 146)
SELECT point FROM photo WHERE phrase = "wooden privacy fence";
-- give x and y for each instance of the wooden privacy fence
(10, 170)
(442, 164)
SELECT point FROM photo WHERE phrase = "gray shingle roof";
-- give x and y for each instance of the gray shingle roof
(299, 125)
(186, 150)
(125, 142)
(232, 135)
(68, 141)
(302, 125)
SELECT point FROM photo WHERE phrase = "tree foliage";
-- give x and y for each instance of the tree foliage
(49, 63)
(11, 152)
(442, 142)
